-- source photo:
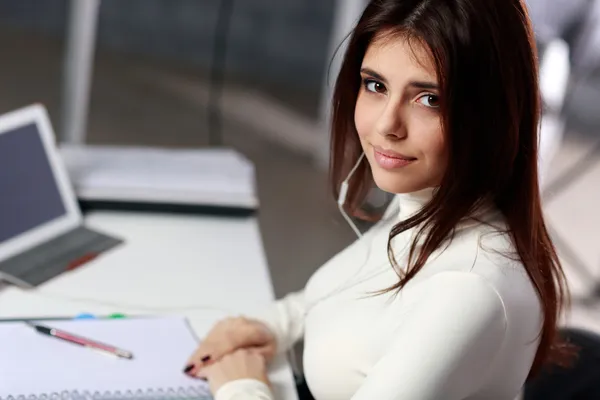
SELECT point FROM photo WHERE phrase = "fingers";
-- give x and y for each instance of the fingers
(209, 370)
(218, 342)
(237, 365)
(267, 352)
(206, 354)
(226, 337)
(254, 354)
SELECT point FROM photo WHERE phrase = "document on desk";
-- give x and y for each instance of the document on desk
(218, 177)
(39, 366)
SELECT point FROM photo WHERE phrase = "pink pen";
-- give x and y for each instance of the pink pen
(81, 341)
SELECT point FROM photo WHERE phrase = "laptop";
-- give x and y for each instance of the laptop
(41, 228)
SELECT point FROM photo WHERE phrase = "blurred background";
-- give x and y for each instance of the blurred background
(256, 75)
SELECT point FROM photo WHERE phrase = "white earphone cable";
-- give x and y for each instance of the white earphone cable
(344, 192)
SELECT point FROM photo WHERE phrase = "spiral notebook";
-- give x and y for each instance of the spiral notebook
(35, 366)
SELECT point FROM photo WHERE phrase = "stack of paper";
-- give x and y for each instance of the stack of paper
(199, 177)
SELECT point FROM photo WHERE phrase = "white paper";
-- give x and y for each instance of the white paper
(33, 364)
(130, 173)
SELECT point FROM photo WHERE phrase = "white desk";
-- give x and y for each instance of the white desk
(202, 267)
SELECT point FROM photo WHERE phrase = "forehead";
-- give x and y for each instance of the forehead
(399, 57)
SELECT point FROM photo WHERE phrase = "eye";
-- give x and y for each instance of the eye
(374, 86)
(429, 100)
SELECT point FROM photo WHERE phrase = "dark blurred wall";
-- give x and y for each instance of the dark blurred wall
(282, 42)
(47, 16)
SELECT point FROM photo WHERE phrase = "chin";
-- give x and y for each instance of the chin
(396, 182)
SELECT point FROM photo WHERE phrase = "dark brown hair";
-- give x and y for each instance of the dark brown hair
(485, 57)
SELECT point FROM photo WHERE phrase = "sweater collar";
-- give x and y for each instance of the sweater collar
(411, 203)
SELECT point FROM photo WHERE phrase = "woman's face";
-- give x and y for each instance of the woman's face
(397, 116)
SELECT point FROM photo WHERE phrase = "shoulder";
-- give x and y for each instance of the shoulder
(459, 289)
(481, 267)
(486, 250)
(483, 247)
(479, 260)
(490, 308)
(462, 305)
(498, 262)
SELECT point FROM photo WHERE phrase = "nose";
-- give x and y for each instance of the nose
(389, 123)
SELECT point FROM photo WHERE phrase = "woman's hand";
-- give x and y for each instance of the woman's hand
(241, 364)
(226, 337)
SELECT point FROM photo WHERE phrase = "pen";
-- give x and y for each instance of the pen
(71, 338)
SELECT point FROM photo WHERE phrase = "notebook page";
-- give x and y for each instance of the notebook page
(32, 363)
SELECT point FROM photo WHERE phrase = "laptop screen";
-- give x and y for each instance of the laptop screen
(29, 194)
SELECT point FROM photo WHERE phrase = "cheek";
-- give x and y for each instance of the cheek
(436, 149)
(430, 141)
(430, 135)
(438, 145)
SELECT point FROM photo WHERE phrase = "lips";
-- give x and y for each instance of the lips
(392, 154)
(389, 159)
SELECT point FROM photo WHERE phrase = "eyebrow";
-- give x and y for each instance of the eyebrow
(374, 74)
(415, 84)
(424, 85)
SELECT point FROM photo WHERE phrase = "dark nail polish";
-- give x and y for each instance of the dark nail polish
(205, 359)
(188, 368)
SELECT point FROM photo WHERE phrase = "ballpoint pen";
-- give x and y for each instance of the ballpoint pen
(81, 341)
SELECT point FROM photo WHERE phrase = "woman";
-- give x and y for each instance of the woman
(455, 293)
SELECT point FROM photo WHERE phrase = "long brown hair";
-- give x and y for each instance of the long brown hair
(485, 57)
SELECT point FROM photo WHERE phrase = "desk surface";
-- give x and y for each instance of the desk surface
(202, 267)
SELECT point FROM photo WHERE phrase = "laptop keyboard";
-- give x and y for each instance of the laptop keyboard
(56, 256)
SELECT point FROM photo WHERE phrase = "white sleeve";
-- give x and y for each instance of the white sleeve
(286, 320)
(446, 344)
(244, 389)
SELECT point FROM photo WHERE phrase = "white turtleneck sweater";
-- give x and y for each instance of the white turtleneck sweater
(466, 327)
